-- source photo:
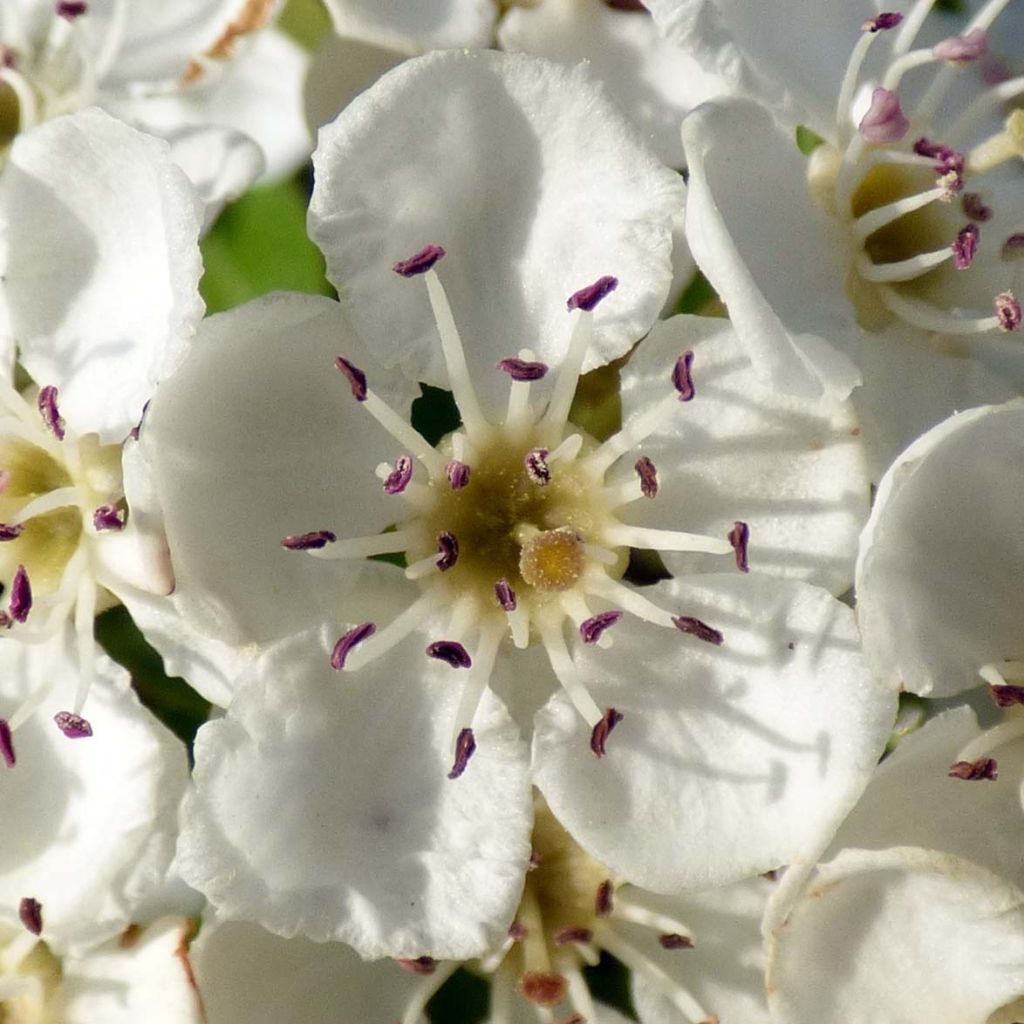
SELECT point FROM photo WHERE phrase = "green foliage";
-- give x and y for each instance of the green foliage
(306, 21)
(807, 141)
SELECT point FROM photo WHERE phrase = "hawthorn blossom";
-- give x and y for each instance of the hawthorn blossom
(895, 240)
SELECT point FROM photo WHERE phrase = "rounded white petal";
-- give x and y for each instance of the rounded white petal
(653, 83)
(912, 801)
(938, 581)
(103, 265)
(771, 736)
(322, 806)
(246, 975)
(139, 976)
(903, 935)
(258, 437)
(89, 823)
(532, 182)
(423, 25)
(793, 471)
(779, 266)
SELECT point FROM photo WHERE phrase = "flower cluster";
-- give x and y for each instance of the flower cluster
(554, 611)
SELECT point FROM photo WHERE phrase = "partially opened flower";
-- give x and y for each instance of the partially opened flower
(899, 231)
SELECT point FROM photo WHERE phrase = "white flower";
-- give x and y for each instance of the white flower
(893, 240)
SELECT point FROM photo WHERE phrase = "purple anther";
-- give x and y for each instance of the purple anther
(592, 629)
(356, 635)
(10, 531)
(420, 263)
(1008, 311)
(603, 899)
(75, 727)
(505, 595)
(1013, 247)
(355, 377)
(517, 932)
(465, 745)
(648, 473)
(885, 121)
(971, 771)
(695, 627)
(962, 49)
(573, 934)
(947, 159)
(451, 652)
(587, 298)
(398, 479)
(21, 596)
(418, 965)
(882, 22)
(521, 369)
(682, 377)
(7, 744)
(739, 538)
(448, 549)
(71, 9)
(975, 208)
(673, 940)
(626, 5)
(108, 517)
(537, 468)
(47, 402)
(31, 913)
(457, 473)
(599, 734)
(312, 541)
(1007, 696)
(951, 183)
(965, 245)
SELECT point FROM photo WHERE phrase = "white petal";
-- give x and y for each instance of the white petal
(779, 266)
(424, 25)
(246, 974)
(531, 181)
(794, 471)
(103, 265)
(142, 976)
(255, 438)
(649, 78)
(938, 585)
(904, 935)
(911, 801)
(322, 806)
(108, 802)
(772, 735)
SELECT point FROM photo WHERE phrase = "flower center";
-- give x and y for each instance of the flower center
(915, 203)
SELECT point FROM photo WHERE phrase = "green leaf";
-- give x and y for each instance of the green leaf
(807, 141)
(306, 21)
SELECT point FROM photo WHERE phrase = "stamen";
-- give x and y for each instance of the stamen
(882, 22)
(474, 686)
(984, 768)
(673, 940)
(346, 642)
(670, 928)
(567, 450)
(30, 911)
(947, 159)
(419, 263)
(398, 479)
(601, 585)
(975, 208)
(885, 122)
(422, 965)
(71, 9)
(870, 28)
(49, 501)
(594, 628)
(987, 101)
(451, 652)
(902, 270)
(536, 466)
(603, 900)
(965, 246)
(982, 746)
(641, 426)
(927, 317)
(564, 668)
(682, 379)
(572, 934)
(21, 596)
(588, 298)
(999, 148)
(430, 983)
(505, 595)
(75, 727)
(85, 617)
(312, 541)
(448, 549)
(739, 538)
(1007, 695)
(557, 414)
(464, 749)
(868, 223)
(624, 535)
(701, 630)
(364, 547)
(7, 744)
(355, 377)
(648, 473)
(457, 474)
(599, 734)
(1008, 312)
(108, 517)
(962, 49)
(523, 370)
(10, 531)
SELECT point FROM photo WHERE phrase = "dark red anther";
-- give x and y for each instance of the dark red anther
(451, 652)
(1007, 696)
(739, 537)
(312, 541)
(31, 913)
(418, 965)
(537, 468)
(523, 370)
(505, 595)
(592, 629)
(75, 727)
(573, 934)
(599, 734)
(10, 531)
(7, 744)
(345, 643)
(673, 940)
(682, 378)
(543, 987)
(1008, 312)
(882, 22)
(71, 9)
(971, 771)
(420, 262)
(465, 745)
(457, 473)
(448, 549)
(47, 403)
(108, 517)
(398, 479)
(603, 899)
(965, 245)
(21, 596)
(587, 298)
(355, 377)
(695, 627)
(974, 207)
